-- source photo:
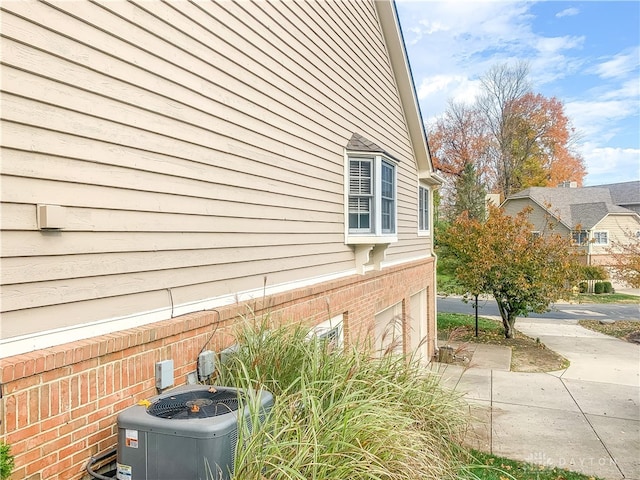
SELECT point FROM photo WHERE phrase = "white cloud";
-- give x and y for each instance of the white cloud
(436, 91)
(620, 65)
(598, 118)
(568, 12)
(453, 43)
(610, 164)
(629, 90)
(546, 45)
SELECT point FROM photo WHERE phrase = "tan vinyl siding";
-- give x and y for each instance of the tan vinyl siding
(197, 148)
(618, 228)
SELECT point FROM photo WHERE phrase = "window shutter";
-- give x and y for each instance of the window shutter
(360, 180)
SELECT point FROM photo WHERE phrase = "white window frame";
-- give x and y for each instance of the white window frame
(424, 194)
(332, 330)
(375, 233)
(583, 234)
(596, 237)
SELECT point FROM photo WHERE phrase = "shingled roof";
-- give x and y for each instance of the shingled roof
(357, 143)
(585, 207)
(624, 193)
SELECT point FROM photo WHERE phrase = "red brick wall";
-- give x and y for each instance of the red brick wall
(59, 405)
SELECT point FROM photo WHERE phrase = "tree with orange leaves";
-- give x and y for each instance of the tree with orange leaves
(542, 143)
(514, 138)
(501, 257)
(459, 150)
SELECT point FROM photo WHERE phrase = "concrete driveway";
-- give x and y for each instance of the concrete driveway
(585, 418)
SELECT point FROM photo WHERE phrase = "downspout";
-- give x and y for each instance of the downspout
(435, 299)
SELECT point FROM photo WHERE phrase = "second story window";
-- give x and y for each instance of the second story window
(579, 237)
(360, 194)
(388, 197)
(601, 238)
(372, 196)
(423, 209)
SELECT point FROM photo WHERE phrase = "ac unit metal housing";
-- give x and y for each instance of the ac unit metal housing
(189, 433)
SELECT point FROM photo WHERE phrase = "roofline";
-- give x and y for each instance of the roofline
(629, 214)
(392, 32)
(529, 197)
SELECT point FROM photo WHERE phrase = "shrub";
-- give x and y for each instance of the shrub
(593, 272)
(583, 287)
(598, 288)
(341, 414)
(608, 288)
(6, 461)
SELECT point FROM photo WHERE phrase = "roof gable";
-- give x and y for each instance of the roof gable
(357, 143)
(584, 207)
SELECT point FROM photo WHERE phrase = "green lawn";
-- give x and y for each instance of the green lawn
(450, 321)
(605, 298)
(490, 467)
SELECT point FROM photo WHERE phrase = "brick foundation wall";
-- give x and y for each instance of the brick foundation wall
(59, 405)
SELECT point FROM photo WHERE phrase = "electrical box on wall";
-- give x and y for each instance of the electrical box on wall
(164, 374)
(51, 217)
(206, 364)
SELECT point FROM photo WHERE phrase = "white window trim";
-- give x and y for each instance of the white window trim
(375, 236)
(584, 233)
(593, 236)
(427, 231)
(328, 328)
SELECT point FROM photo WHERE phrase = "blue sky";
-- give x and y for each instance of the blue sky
(586, 54)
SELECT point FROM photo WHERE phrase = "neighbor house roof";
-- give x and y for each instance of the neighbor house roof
(584, 207)
(624, 193)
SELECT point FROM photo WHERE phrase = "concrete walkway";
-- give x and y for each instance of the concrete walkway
(585, 418)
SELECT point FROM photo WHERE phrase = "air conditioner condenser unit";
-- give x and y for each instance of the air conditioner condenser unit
(189, 433)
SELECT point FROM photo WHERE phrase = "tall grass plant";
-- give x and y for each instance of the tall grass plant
(341, 413)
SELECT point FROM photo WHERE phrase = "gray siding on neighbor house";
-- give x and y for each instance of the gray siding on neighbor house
(197, 147)
(540, 219)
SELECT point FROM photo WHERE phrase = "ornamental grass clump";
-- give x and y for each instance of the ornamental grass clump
(340, 413)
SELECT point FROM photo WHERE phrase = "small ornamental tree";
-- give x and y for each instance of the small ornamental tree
(626, 259)
(501, 256)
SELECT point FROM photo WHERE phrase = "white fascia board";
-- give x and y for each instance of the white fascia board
(404, 81)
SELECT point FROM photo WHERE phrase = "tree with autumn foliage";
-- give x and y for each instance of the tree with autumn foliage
(459, 147)
(542, 144)
(514, 138)
(626, 259)
(500, 256)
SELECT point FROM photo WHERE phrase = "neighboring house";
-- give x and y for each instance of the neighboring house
(593, 216)
(170, 167)
(624, 194)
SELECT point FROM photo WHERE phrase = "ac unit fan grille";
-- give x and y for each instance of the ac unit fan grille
(196, 404)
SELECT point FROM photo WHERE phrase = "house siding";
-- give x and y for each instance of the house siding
(198, 152)
(621, 229)
(60, 404)
(542, 221)
(618, 228)
(197, 149)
